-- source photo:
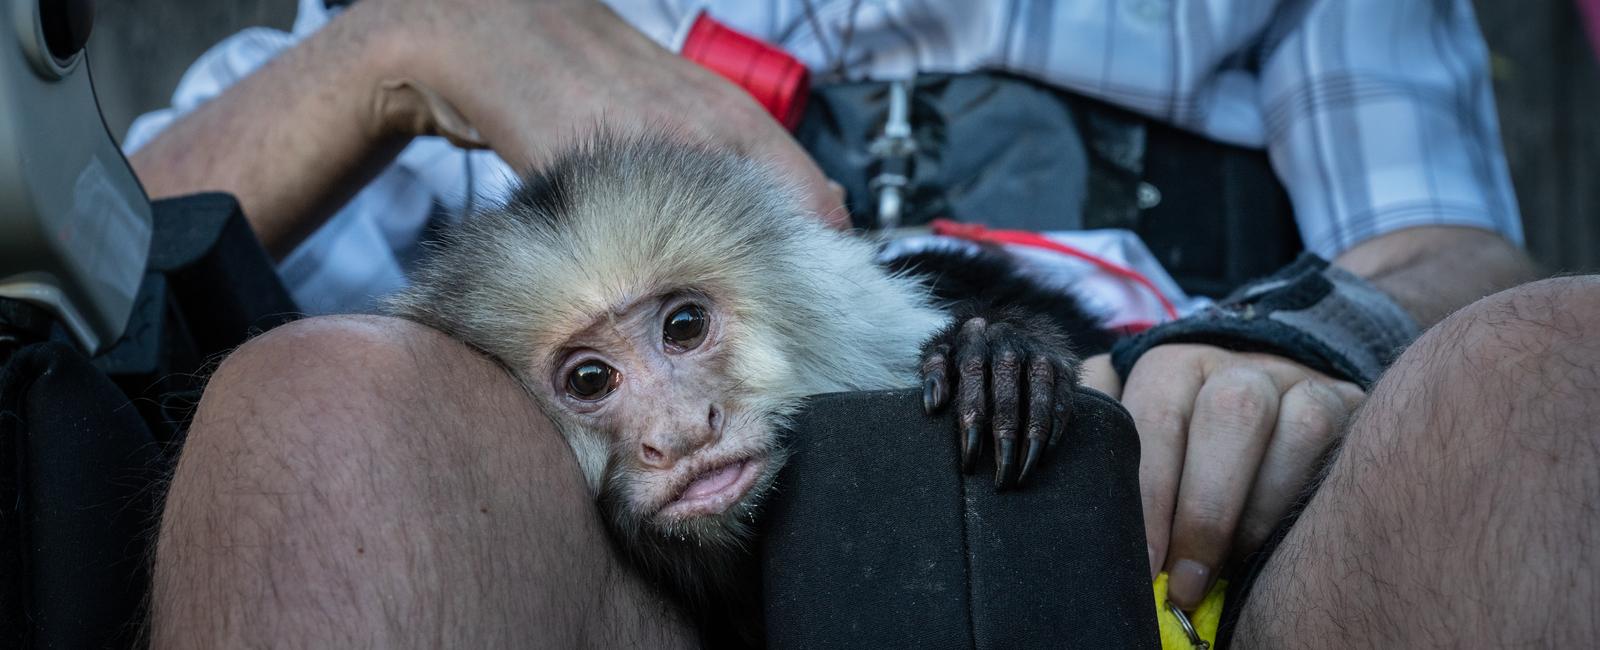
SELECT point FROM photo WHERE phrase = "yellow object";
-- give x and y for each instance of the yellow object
(1204, 618)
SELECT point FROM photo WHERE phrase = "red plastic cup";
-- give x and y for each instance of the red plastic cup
(779, 82)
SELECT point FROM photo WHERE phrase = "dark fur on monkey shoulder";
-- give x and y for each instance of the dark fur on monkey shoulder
(1027, 338)
(668, 306)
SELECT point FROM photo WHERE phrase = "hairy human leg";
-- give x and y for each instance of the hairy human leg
(356, 482)
(1464, 507)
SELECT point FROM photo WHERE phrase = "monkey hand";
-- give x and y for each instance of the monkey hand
(1011, 374)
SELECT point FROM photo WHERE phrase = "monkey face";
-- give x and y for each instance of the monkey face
(684, 449)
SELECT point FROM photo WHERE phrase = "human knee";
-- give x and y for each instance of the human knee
(1522, 363)
(344, 469)
(1543, 328)
(319, 374)
(308, 356)
(1534, 316)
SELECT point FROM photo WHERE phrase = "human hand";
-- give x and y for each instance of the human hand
(1228, 441)
(530, 76)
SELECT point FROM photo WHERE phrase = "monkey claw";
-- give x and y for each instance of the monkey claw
(1009, 374)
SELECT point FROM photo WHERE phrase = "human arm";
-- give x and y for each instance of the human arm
(1433, 271)
(292, 141)
(1389, 149)
(1231, 439)
(298, 137)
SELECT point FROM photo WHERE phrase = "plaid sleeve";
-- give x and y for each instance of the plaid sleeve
(1379, 116)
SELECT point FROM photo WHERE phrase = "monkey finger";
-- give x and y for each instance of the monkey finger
(1061, 405)
(1041, 388)
(1005, 386)
(972, 390)
(935, 377)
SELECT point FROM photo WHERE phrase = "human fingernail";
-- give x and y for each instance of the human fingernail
(1186, 584)
(1155, 562)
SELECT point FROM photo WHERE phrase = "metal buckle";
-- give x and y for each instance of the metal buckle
(895, 148)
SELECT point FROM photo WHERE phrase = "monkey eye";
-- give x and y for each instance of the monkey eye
(685, 327)
(591, 380)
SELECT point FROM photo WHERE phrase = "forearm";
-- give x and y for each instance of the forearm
(293, 141)
(525, 77)
(1435, 270)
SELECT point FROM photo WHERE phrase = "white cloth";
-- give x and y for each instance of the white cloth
(1377, 114)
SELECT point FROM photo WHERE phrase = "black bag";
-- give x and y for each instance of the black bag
(875, 540)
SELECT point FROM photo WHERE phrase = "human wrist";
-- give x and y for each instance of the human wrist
(1320, 316)
(451, 68)
(524, 73)
(374, 52)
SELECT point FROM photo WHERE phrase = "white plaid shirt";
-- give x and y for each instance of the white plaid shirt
(1377, 114)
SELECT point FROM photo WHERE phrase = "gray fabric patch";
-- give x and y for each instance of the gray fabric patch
(1356, 320)
(1323, 317)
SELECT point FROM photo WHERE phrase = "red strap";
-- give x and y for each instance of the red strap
(778, 81)
(980, 233)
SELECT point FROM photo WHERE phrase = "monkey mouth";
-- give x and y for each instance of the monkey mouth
(715, 489)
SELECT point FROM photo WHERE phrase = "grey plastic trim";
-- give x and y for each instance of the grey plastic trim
(75, 224)
(30, 35)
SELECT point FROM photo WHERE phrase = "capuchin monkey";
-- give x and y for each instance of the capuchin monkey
(669, 305)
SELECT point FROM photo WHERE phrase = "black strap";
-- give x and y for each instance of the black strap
(1012, 152)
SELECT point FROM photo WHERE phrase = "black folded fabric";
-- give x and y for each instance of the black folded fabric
(875, 539)
(79, 487)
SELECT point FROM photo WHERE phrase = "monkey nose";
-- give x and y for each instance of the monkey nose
(663, 450)
(653, 457)
(714, 420)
